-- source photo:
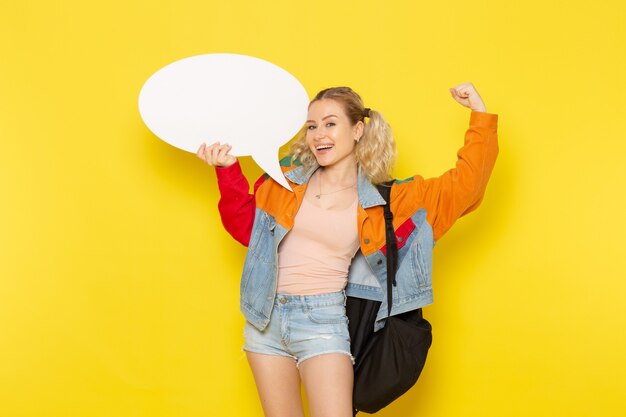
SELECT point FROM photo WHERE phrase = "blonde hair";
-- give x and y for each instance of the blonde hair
(375, 151)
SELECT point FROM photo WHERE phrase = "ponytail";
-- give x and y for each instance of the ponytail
(376, 150)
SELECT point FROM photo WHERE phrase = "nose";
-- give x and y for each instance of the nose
(319, 133)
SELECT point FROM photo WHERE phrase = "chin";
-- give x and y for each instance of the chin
(323, 163)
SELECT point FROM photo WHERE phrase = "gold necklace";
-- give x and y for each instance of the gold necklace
(320, 194)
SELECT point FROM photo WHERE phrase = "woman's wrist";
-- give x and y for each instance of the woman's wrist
(481, 109)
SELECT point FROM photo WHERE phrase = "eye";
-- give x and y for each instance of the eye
(310, 127)
(330, 124)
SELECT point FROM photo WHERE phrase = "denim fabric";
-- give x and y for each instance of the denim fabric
(302, 326)
(367, 277)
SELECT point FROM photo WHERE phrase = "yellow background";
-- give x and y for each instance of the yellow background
(119, 287)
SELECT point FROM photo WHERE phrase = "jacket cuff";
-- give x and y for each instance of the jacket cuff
(482, 119)
(229, 173)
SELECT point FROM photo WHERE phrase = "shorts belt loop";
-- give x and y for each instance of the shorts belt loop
(305, 307)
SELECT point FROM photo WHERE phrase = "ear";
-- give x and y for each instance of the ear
(357, 130)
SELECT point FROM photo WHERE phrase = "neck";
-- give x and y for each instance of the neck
(344, 172)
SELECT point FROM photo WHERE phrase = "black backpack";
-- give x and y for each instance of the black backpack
(387, 362)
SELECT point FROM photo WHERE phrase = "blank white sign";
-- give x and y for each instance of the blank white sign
(244, 101)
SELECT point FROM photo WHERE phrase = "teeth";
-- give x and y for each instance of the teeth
(322, 147)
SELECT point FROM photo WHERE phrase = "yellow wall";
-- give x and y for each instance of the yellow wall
(119, 287)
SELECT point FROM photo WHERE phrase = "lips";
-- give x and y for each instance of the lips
(323, 147)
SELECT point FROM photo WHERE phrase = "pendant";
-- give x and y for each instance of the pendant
(317, 196)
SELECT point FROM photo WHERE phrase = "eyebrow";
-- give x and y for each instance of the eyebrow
(323, 118)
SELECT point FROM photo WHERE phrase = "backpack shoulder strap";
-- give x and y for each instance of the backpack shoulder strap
(391, 244)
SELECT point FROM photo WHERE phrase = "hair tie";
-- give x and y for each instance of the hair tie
(366, 112)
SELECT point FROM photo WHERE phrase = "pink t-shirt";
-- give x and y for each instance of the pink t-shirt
(315, 255)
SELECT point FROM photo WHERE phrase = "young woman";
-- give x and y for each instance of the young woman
(309, 247)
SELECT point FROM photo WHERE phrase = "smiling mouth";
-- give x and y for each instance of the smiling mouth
(323, 147)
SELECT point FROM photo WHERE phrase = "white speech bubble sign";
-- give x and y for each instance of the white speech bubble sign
(244, 101)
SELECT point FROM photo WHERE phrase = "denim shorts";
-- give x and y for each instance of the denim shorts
(302, 326)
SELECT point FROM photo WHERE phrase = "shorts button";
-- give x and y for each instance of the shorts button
(366, 241)
(400, 239)
(283, 300)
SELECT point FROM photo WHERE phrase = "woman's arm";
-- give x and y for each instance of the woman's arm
(236, 206)
(461, 189)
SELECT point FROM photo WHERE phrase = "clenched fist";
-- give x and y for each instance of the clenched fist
(216, 155)
(467, 95)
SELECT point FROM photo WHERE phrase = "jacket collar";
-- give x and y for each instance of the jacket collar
(367, 192)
